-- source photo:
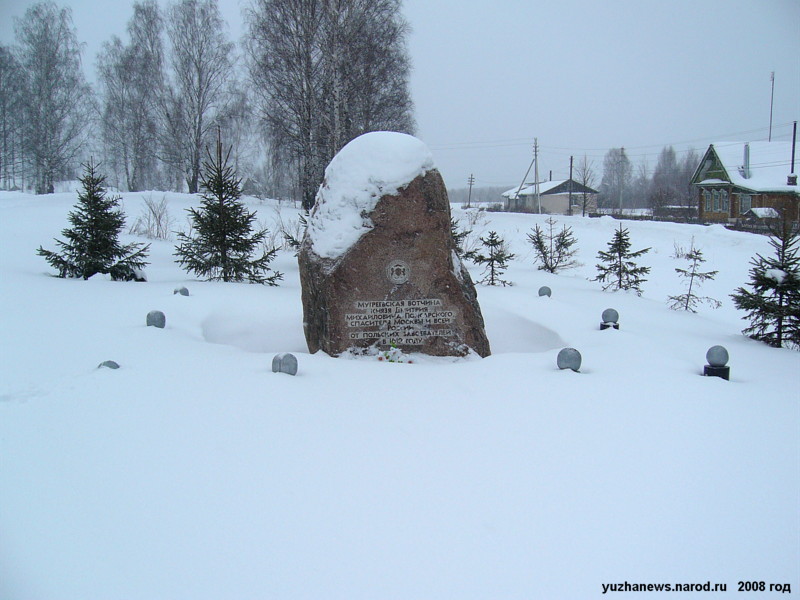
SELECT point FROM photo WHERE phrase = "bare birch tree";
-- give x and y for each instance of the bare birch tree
(616, 181)
(641, 183)
(377, 69)
(201, 61)
(11, 117)
(585, 175)
(366, 69)
(664, 190)
(686, 168)
(131, 79)
(57, 98)
(240, 125)
(285, 65)
(325, 72)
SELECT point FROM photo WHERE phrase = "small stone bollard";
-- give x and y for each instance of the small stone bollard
(108, 364)
(284, 363)
(545, 291)
(569, 358)
(610, 319)
(717, 357)
(156, 318)
(181, 290)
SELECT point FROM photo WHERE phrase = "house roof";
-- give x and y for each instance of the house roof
(529, 189)
(549, 187)
(770, 164)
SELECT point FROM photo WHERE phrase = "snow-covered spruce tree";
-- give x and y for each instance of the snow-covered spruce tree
(224, 242)
(694, 278)
(773, 305)
(92, 244)
(619, 270)
(554, 251)
(496, 259)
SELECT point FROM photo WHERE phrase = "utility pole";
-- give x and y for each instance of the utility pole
(536, 175)
(516, 196)
(771, 98)
(570, 186)
(619, 177)
(471, 182)
(794, 142)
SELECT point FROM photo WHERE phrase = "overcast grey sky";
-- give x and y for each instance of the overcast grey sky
(581, 75)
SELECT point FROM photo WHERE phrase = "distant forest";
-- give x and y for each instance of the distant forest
(480, 195)
(306, 78)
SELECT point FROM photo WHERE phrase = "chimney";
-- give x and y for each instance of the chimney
(746, 167)
(792, 179)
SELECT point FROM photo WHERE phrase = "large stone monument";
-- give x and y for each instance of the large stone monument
(378, 266)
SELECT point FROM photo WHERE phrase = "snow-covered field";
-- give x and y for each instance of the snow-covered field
(194, 472)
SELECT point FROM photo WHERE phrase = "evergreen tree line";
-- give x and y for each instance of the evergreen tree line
(307, 78)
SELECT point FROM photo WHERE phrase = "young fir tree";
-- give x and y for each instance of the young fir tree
(554, 251)
(459, 236)
(292, 240)
(694, 278)
(496, 260)
(619, 270)
(92, 244)
(773, 305)
(224, 241)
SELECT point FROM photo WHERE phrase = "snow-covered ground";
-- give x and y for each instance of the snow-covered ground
(194, 472)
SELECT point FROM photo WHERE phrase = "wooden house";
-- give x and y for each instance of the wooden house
(554, 198)
(733, 178)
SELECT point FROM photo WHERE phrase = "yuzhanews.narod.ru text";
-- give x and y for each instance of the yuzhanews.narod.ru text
(741, 586)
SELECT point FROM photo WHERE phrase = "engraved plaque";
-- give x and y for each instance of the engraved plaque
(410, 322)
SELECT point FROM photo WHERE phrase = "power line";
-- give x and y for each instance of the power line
(599, 152)
(643, 169)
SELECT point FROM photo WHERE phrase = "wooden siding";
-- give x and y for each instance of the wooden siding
(777, 200)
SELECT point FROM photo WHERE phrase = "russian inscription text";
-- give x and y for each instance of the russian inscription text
(409, 322)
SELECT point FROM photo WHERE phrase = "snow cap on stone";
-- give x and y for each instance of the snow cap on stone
(369, 167)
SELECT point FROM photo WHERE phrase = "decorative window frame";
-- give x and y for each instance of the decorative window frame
(745, 203)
